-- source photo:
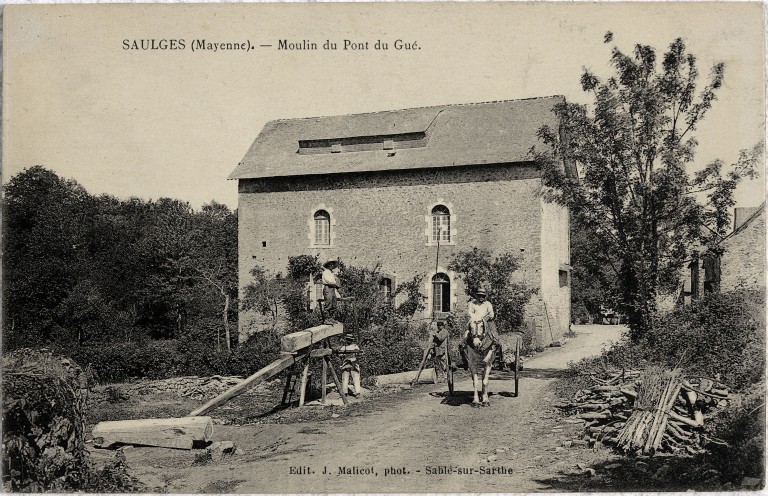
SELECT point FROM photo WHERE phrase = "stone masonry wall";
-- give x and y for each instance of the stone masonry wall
(556, 274)
(382, 218)
(743, 262)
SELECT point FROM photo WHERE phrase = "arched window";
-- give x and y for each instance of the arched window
(441, 224)
(322, 227)
(441, 293)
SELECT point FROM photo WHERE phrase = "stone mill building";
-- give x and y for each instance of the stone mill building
(379, 188)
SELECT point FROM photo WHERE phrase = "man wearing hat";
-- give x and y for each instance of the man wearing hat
(481, 312)
(330, 287)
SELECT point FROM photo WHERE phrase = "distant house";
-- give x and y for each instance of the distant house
(737, 261)
(384, 187)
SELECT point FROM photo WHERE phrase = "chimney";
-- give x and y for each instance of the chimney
(741, 214)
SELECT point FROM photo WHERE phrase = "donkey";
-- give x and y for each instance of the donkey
(480, 349)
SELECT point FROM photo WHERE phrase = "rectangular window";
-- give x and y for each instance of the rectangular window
(441, 227)
(322, 232)
(437, 298)
(385, 286)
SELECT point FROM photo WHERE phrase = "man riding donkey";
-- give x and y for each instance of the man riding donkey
(479, 344)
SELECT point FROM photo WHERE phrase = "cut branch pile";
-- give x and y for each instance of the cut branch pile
(649, 411)
(43, 422)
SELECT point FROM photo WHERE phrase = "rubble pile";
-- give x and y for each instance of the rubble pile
(649, 411)
(197, 388)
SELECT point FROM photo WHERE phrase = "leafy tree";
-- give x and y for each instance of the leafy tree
(633, 150)
(212, 256)
(593, 280)
(414, 301)
(83, 268)
(479, 269)
(45, 241)
(264, 294)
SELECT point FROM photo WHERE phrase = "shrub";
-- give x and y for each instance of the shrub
(478, 269)
(721, 336)
(43, 428)
(393, 346)
(190, 355)
(414, 300)
(115, 394)
(120, 361)
(257, 352)
(742, 427)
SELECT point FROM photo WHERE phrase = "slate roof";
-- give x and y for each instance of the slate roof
(464, 134)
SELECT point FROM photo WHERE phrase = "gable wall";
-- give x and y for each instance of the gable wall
(743, 262)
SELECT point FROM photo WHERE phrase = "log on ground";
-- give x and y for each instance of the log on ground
(166, 433)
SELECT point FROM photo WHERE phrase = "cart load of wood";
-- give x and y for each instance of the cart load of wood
(648, 411)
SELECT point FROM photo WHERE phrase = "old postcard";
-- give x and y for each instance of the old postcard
(383, 247)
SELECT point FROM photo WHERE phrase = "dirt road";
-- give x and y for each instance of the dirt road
(417, 441)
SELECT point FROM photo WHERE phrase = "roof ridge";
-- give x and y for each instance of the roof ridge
(447, 105)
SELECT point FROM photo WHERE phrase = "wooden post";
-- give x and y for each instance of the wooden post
(449, 370)
(517, 364)
(325, 379)
(336, 380)
(303, 390)
(249, 382)
(422, 364)
(287, 388)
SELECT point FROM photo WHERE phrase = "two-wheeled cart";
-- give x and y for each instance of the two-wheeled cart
(442, 361)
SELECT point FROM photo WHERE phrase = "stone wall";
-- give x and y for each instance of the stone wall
(383, 218)
(743, 261)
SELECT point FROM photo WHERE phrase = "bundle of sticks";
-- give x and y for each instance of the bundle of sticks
(648, 411)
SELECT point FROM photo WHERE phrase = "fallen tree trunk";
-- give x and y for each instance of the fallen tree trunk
(167, 433)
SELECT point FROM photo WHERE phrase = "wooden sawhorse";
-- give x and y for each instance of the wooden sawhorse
(324, 352)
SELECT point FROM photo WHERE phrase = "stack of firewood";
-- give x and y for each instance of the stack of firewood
(648, 411)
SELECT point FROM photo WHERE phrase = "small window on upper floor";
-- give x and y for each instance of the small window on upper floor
(441, 224)
(322, 228)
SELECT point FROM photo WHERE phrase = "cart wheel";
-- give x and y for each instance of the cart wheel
(517, 365)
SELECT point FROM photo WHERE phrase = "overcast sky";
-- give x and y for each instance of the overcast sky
(176, 123)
